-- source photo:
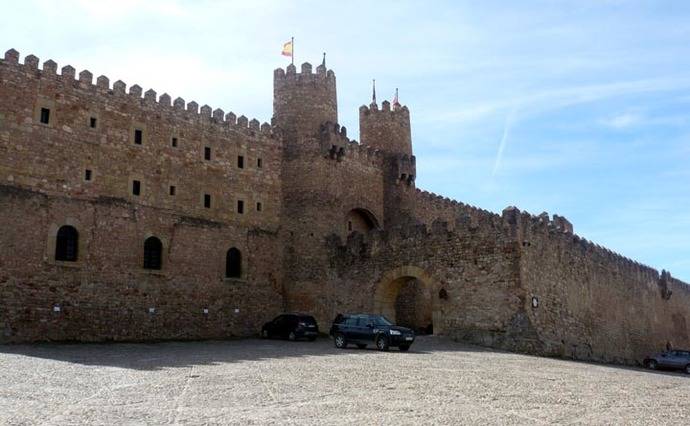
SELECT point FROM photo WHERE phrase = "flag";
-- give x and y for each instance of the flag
(287, 48)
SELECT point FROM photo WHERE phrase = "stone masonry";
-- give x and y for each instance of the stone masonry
(253, 219)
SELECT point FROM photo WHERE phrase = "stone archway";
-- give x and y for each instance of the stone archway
(389, 287)
(360, 220)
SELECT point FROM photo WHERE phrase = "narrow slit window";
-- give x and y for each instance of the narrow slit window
(136, 187)
(240, 162)
(172, 189)
(207, 153)
(174, 142)
(92, 122)
(258, 207)
(138, 136)
(240, 206)
(87, 175)
(207, 201)
(259, 163)
(45, 115)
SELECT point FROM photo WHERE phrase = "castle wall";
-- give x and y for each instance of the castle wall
(476, 267)
(106, 294)
(54, 157)
(595, 304)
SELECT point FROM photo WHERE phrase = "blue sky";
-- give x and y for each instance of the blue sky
(578, 108)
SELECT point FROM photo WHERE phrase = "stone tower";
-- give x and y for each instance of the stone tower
(388, 130)
(303, 101)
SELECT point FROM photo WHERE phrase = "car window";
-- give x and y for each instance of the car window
(351, 322)
(279, 319)
(363, 321)
(381, 321)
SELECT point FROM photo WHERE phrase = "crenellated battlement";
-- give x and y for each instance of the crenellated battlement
(305, 76)
(68, 80)
(337, 146)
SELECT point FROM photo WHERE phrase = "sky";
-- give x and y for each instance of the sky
(579, 108)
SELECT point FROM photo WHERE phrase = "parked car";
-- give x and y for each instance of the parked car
(292, 327)
(365, 329)
(674, 359)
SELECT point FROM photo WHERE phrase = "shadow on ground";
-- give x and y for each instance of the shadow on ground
(183, 354)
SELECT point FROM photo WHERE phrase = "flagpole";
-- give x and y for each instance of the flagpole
(292, 57)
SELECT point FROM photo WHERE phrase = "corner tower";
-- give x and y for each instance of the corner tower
(386, 129)
(303, 101)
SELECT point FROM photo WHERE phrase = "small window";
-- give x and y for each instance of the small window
(67, 244)
(207, 153)
(172, 189)
(174, 142)
(207, 201)
(233, 263)
(138, 136)
(349, 225)
(92, 122)
(240, 206)
(240, 162)
(258, 207)
(258, 163)
(136, 187)
(153, 251)
(87, 175)
(45, 116)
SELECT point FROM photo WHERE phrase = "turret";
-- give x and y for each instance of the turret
(387, 129)
(303, 101)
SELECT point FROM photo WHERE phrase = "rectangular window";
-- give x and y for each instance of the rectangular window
(240, 206)
(258, 163)
(87, 175)
(138, 136)
(258, 207)
(136, 187)
(92, 122)
(240, 162)
(207, 153)
(172, 189)
(174, 142)
(207, 201)
(45, 115)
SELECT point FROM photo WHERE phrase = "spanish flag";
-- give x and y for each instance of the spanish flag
(287, 48)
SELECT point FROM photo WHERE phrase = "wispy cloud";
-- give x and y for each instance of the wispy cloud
(504, 140)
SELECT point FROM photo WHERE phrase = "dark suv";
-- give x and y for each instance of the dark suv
(675, 359)
(364, 329)
(291, 327)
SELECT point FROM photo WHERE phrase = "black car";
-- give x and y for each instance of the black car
(291, 327)
(672, 360)
(365, 329)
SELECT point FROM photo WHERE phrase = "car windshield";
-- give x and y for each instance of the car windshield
(381, 320)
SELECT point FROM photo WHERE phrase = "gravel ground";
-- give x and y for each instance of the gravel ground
(264, 382)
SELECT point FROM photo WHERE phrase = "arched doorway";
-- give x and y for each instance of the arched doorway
(406, 295)
(360, 220)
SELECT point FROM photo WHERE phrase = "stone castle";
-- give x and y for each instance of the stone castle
(131, 216)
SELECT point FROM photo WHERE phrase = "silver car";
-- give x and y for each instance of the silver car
(675, 359)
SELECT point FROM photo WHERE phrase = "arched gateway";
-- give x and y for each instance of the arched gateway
(408, 295)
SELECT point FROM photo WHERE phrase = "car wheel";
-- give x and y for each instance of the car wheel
(404, 348)
(340, 341)
(292, 336)
(264, 334)
(651, 364)
(361, 345)
(382, 343)
(687, 369)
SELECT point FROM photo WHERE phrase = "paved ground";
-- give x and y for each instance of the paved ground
(258, 382)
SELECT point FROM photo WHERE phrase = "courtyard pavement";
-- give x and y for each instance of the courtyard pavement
(277, 382)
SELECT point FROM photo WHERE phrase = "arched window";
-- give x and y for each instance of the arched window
(233, 263)
(67, 244)
(153, 250)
